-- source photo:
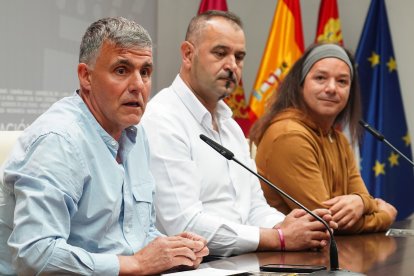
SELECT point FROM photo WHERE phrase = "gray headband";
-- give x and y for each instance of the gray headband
(325, 51)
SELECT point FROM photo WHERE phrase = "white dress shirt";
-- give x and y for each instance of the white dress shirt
(197, 189)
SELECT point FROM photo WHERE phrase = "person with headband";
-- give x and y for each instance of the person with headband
(301, 150)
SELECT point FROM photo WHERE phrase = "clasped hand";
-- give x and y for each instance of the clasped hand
(163, 253)
(346, 210)
(303, 231)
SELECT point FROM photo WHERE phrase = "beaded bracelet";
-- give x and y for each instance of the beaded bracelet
(281, 239)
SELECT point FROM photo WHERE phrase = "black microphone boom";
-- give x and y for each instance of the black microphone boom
(381, 138)
(219, 148)
(333, 251)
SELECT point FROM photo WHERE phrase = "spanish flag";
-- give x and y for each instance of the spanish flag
(329, 25)
(284, 46)
(236, 101)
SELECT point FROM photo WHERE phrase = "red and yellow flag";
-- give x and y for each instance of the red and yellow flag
(329, 25)
(236, 101)
(329, 30)
(284, 46)
(206, 5)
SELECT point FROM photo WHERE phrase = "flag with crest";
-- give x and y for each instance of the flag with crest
(206, 5)
(329, 24)
(386, 174)
(329, 30)
(284, 46)
(236, 100)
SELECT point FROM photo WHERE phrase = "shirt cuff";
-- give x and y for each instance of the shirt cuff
(105, 264)
(251, 239)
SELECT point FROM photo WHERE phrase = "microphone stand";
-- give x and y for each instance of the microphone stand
(381, 138)
(333, 250)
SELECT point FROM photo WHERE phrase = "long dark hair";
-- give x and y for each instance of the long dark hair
(289, 95)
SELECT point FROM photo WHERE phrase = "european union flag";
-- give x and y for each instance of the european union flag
(386, 174)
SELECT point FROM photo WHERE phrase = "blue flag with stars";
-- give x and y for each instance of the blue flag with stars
(386, 174)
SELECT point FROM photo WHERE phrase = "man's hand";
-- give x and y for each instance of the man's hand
(346, 209)
(200, 253)
(388, 208)
(302, 231)
(164, 253)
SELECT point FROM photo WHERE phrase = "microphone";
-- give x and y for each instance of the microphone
(333, 251)
(381, 138)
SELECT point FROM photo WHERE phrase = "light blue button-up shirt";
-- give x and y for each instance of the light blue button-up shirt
(75, 207)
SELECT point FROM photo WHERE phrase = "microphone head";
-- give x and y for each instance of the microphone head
(219, 148)
(371, 130)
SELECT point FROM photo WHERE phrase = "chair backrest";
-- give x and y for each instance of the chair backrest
(7, 141)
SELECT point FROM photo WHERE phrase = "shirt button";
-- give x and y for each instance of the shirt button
(127, 229)
(113, 143)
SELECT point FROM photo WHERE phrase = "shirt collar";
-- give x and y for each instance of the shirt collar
(196, 108)
(128, 135)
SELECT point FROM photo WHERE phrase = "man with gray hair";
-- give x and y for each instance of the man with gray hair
(78, 182)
